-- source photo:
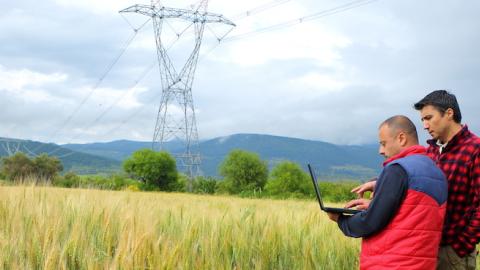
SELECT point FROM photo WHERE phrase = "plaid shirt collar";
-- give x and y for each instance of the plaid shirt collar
(459, 137)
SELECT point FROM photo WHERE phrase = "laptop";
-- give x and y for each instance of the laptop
(347, 211)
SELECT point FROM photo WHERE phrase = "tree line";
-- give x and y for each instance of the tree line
(243, 173)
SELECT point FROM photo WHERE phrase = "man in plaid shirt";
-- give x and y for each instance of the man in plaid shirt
(456, 152)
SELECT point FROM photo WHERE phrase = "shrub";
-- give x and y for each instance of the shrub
(204, 185)
(153, 168)
(338, 191)
(69, 180)
(20, 167)
(243, 171)
(288, 179)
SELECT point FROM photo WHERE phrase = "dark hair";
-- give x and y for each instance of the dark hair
(442, 100)
(399, 123)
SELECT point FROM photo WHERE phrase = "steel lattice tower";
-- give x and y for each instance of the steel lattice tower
(177, 85)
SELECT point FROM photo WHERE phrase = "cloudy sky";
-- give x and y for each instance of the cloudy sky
(332, 79)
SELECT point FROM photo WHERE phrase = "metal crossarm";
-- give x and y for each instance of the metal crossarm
(168, 13)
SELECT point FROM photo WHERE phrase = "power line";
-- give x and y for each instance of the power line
(130, 117)
(6, 145)
(155, 97)
(317, 15)
(28, 151)
(131, 90)
(109, 108)
(314, 16)
(258, 9)
(67, 154)
(104, 75)
(84, 100)
(133, 87)
(97, 84)
(207, 52)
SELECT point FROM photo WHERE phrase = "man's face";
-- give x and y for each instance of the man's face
(389, 142)
(434, 122)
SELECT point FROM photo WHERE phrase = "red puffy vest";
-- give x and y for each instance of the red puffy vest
(412, 238)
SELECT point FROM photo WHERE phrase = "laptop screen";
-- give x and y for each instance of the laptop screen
(315, 185)
(346, 211)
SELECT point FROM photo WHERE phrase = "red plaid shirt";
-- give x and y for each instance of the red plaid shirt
(460, 161)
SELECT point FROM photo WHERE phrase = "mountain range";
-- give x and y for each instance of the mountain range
(77, 161)
(334, 162)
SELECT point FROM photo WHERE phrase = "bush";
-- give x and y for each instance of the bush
(20, 167)
(154, 169)
(224, 187)
(288, 179)
(180, 185)
(17, 167)
(204, 185)
(112, 182)
(69, 180)
(133, 188)
(243, 171)
(337, 192)
(47, 168)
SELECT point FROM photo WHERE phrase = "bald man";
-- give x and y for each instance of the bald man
(401, 227)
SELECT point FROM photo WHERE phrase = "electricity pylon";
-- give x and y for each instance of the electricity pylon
(10, 146)
(176, 114)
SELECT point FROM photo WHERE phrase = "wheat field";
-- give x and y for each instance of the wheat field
(54, 228)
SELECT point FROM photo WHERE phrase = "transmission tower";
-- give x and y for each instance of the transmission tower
(176, 114)
(10, 146)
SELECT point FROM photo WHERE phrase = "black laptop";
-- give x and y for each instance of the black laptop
(347, 211)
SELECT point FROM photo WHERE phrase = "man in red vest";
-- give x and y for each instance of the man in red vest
(456, 151)
(402, 226)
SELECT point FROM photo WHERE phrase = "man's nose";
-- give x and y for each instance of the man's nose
(426, 125)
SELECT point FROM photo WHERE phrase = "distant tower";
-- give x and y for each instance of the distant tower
(176, 115)
(10, 146)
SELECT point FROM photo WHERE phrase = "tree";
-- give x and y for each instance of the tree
(20, 166)
(157, 169)
(46, 167)
(288, 178)
(69, 180)
(204, 185)
(337, 191)
(244, 171)
(17, 167)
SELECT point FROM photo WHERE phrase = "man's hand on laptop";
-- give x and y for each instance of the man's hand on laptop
(368, 186)
(360, 204)
(333, 216)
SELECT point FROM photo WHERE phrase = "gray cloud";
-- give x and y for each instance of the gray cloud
(393, 54)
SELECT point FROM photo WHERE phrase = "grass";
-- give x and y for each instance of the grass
(54, 228)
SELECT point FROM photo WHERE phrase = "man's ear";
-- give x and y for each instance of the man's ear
(450, 113)
(402, 138)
